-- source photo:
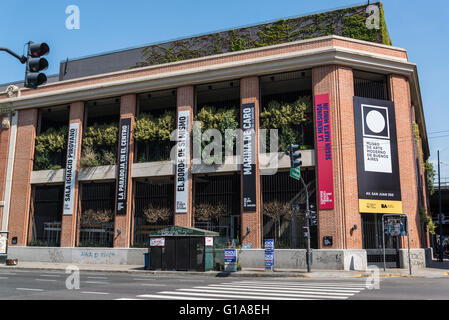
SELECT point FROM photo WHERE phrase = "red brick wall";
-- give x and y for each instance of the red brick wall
(186, 101)
(123, 222)
(23, 165)
(249, 93)
(69, 222)
(337, 81)
(400, 95)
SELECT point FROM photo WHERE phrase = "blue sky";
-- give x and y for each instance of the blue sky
(111, 25)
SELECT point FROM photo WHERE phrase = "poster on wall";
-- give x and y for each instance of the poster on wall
(182, 162)
(70, 168)
(379, 188)
(123, 165)
(324, 152)
(3, 243)
(249, 160)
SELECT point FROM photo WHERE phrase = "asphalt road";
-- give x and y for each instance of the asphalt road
(51, 285)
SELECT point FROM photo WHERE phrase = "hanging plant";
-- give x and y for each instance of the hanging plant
(101, 135)
(49, 146)
(221, 120)
(287, 118)
(154, 214)
(148, 128)
(53, 140)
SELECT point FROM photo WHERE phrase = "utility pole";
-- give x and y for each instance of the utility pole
(440, 213)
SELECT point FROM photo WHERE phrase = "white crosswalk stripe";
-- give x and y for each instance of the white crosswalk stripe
(263, 290)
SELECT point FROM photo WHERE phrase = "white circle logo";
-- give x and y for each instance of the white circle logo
(375, 121)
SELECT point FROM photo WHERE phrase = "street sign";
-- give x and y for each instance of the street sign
(269, 254)
(230, 260)
(295, 173)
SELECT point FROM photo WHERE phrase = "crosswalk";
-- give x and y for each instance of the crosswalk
(261, 290)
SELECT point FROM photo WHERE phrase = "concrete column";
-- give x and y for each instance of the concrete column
(123, 221)
(69, 222)
(186, 101)
(249, 93)
(23, 165)
(400, 95)
(338, 82)
(4, 148)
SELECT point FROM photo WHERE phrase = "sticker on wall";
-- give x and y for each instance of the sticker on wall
(182, 162)
(123, 165)
(377, 156)
(324, 152)
(70, 169)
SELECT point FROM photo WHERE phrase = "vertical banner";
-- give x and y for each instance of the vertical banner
(249, 157)
(377, 156)
(123, 165)
(70, 168)
(182, 161)
(324, 152)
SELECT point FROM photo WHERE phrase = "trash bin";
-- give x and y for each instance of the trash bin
(145, 255)
(181, 248)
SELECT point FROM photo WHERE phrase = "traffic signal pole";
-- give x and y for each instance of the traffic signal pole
(308, 260)
(22, 59)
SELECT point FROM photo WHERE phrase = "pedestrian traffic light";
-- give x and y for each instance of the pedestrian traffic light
(35, 64)
(295, 156)
(305, 229)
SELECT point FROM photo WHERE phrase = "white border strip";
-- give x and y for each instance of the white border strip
(9, 169)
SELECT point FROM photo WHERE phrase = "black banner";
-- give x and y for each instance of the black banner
(249, 157)
(377, 156)
(123, 165)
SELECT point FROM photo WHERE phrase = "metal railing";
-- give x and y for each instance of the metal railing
(96, 235)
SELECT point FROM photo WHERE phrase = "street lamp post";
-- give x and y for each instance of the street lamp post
(440, 214)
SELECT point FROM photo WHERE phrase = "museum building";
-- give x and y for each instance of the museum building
(85, 160)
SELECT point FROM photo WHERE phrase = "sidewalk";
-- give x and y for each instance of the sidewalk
(437, 270)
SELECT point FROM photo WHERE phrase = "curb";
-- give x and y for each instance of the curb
(239, 274)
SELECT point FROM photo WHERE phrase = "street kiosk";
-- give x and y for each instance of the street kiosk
(181, 248)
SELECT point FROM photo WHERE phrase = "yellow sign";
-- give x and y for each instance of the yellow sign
(380, 206)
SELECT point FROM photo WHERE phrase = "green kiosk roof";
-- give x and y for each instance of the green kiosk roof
(174, 231)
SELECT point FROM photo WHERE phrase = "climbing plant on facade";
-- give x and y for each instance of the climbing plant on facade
(220, 119)
(287, 118)
(99, 145)
(152, 133)
(50, 148)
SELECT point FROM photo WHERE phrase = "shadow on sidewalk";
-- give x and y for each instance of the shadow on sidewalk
(435, 264)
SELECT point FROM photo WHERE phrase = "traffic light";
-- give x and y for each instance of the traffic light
(305, 229)
(295, 156)
(35, 64)
(313, 216)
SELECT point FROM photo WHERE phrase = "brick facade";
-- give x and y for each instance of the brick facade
(336, 80)
(23, 165)
(249, 93)
(400, 95)
(123, 222)
(70, 222)
(186, 101)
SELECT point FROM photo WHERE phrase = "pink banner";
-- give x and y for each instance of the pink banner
(324, 152)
